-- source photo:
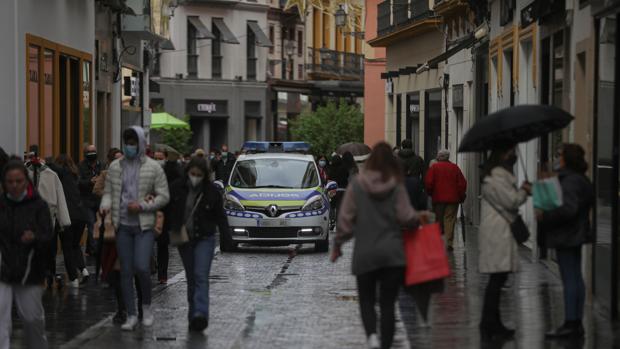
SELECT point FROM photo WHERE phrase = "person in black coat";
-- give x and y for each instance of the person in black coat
(223, 164)
(25, 234)
(88, 172)
(197, 205)
(71, 237)
(566, 229)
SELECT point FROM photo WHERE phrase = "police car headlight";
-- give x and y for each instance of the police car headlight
(313, 204)
(232, 203)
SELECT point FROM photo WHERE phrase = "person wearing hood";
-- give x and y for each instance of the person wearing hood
(498, 249)
(413, 164)
(25, 235)
(375, 208)
(566, 229)
(135, 189)
(197, 204)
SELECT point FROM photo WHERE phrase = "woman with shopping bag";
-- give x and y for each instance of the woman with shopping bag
(497, 241)
(373, 211)
(566, 228)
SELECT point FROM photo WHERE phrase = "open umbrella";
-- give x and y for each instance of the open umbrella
(166, 147)
(166, 121)
(359, 151)
(514, 125)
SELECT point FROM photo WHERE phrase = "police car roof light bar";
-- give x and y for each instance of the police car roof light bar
(276, 147)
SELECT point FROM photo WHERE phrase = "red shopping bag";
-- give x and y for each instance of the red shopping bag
(426, 255)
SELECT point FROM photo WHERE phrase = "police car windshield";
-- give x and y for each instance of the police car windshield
(275, 173)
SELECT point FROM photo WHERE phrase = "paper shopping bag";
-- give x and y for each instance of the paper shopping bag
(547, 194)
(426, 255)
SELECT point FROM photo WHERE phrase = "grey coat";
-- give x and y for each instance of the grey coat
(497, 247)
(373, 212)
(569, 224)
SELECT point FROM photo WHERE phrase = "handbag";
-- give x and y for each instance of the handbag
(425, 254)
(547, 194)
(180, 237)
(518, 228)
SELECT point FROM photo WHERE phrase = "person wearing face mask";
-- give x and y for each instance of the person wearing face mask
(197, 204)
(223, 165)
(25, 234)
(566, 229)
(135, 189)
(498, 249)
(89, 171)
(322, 163)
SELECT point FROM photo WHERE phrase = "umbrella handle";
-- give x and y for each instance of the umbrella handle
(522, 163)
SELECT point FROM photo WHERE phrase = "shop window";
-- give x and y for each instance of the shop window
(432, 124)
(252, 129)
(507, 8)
(48, 103)
(251, 54)
(86, 104)
(192, 50)
(413, 120)
(399, 121)
(272, 38)
(216, 53)
(34, 101)
(300, 71)
(300, 43)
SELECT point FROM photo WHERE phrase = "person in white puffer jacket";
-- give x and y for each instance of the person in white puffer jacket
(135, 189)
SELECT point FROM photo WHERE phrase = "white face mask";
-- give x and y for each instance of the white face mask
(195, 180)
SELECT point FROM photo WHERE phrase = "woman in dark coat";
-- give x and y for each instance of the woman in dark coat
(566, 229)
(197, 204)
(25, 233)
(70, 238)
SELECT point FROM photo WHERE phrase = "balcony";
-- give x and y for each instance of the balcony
(333, 65)
(451, 7)
(398, 17)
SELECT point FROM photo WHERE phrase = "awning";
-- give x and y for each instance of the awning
(200, 27)
(226, 35)
(460, 45)
(261, 38)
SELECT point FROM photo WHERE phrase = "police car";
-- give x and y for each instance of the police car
(275, 197)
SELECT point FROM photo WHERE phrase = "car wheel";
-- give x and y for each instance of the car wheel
(322, 246)
(226, 244)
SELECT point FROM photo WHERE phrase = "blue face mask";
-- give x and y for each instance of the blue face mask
(130, 151)
(20, 198)
(322, 163)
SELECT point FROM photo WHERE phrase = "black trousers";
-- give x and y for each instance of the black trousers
(389, 281)
(163, 255)
(490, 310)
(72, 253)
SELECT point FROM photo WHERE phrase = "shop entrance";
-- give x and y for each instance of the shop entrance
(69, 106)
(432, 124)
(218, 133)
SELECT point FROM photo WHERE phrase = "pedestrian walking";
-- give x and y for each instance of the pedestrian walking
(566, 229)
(71, 236)
(223, 164)
(197, 207)
(498, 249)
(89, 170)
(25, 233)
(135, 189)
(413, 164)
(373, 211)
(447, 186)
(173, 171)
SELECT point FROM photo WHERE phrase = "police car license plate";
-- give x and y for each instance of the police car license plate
(273, 223)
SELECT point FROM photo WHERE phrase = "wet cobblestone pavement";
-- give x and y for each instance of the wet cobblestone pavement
(292, 297)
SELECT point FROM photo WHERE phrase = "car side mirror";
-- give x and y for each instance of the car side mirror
(331, 185)
(219, 185)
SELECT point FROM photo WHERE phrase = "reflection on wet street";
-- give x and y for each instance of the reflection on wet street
(292, 297)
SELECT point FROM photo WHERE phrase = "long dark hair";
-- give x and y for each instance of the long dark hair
(65, 161)
(575, 157)
(496, 159)
(14, 165)
(382, 160)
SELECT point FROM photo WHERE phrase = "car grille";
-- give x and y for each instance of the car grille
(273, 233)
(281, 210)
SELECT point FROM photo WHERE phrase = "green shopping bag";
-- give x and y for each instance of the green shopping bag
(547, 194)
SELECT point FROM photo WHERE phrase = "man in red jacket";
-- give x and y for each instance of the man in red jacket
(446, 185)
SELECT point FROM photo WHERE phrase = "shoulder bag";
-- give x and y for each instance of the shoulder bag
(517, 226)
(180, 237)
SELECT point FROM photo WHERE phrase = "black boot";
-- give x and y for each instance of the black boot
(198, 324)
(568, 329)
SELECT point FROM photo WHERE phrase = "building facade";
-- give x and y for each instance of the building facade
(217, 73)
(374, 65)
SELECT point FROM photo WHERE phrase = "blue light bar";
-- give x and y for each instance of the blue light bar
(276, 147)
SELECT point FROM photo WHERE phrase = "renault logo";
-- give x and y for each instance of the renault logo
(272, 210)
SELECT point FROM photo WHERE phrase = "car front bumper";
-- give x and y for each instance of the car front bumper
(257, 228)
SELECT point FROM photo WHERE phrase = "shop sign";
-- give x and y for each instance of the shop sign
(207, 108)
(414, 108)
(457, 96)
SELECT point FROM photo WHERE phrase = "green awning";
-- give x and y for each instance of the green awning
(166, 121)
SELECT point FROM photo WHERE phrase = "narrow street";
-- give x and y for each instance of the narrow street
(292, 297)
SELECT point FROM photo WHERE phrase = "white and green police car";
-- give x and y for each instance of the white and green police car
(275, 197)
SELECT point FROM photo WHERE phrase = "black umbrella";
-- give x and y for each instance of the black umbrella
(513, 125)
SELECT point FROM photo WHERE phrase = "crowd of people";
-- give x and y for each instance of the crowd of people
(158, 197)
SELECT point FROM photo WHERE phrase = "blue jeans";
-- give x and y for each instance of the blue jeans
(91, 218)
(197, 257)
(135, 248)
(569, 260)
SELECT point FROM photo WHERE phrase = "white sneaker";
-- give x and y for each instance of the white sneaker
(130, 324)
(147, 316)
(373, 342)
(85, 272)
(74, 284)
